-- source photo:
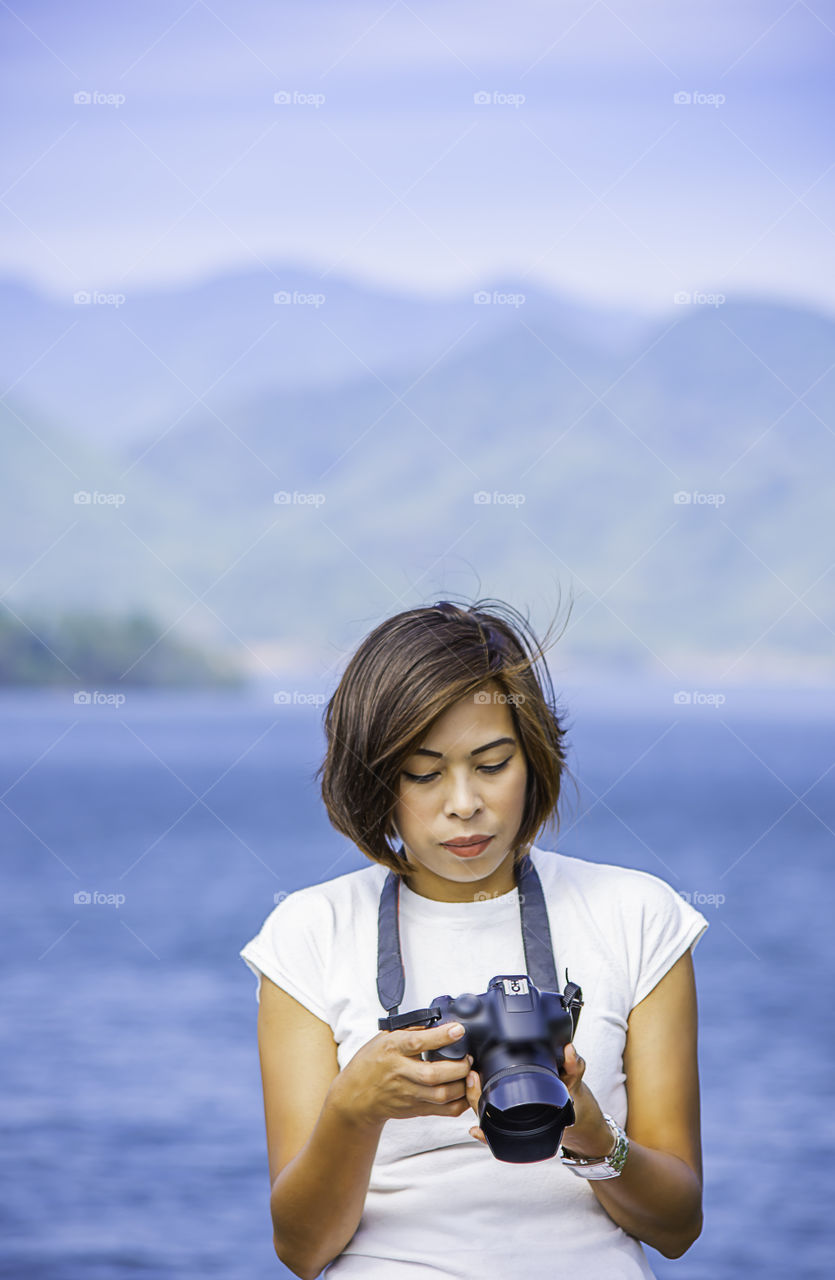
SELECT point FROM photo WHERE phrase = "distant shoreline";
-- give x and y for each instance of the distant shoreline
(293, 696)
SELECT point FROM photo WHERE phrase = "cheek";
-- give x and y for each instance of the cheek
(411, 806)
(517, 784)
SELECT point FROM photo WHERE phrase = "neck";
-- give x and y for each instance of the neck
(438, 889)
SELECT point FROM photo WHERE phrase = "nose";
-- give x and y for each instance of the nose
(462, 799)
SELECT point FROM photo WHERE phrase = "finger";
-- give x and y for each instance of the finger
(473, 1083)
(449, 1092)
(473, 1088)
(417, 1040)
(442, 1071)
(573, 1065)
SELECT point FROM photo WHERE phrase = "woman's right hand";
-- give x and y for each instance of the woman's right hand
(388, 1080)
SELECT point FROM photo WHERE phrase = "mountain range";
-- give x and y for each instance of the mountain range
(673, 473)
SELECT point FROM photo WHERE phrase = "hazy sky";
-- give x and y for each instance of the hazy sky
(598, 183)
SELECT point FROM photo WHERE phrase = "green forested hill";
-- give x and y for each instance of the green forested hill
(534, 459)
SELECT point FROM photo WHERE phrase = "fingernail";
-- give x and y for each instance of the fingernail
(470, 1058)
(456, 1029)
(471, 1079)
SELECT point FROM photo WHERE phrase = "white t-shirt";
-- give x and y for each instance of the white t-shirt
(439, 1203)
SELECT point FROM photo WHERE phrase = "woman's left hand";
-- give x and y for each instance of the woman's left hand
(589, 1135)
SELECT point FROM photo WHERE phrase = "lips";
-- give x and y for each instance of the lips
(467, 846)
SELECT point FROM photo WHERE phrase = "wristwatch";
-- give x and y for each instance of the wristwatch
(610, 1166)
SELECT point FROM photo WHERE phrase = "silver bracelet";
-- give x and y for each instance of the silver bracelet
(610, 1166)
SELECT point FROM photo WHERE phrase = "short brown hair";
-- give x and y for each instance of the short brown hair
(405, 674)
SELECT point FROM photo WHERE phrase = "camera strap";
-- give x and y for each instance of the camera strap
(536, 939)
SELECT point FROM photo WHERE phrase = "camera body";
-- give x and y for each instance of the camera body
(517, 1036)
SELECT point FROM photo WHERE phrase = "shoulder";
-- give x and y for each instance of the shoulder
(339, 899)
(309, 930)
(643, 923)
(601, 883)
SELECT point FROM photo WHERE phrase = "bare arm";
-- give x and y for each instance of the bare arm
(317, 1200)
(324, 1125)
(320, 1158)
(658, 1196)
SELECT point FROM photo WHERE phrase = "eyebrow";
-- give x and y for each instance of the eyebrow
(498, 742)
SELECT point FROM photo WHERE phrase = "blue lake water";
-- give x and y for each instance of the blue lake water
(132, 1120)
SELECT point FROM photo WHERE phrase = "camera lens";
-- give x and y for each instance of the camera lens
(529, 1115)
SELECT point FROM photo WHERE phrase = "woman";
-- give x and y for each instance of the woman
(443, 731)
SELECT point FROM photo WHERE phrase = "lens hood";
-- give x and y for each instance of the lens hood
(523, 1111)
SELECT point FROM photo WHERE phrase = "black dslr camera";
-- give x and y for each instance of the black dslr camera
(517, 1036)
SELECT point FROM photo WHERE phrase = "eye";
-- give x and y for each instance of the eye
(427, 777)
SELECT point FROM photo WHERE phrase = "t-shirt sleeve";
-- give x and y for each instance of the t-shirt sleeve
(292, 949)
(663, 925)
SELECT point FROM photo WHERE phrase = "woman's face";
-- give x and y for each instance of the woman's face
(467, 791)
